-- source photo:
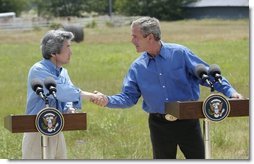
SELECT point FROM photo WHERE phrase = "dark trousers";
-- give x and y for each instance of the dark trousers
(166, 135)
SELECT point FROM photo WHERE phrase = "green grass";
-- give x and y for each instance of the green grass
(100, 63)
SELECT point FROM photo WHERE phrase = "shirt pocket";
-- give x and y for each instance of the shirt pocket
(178, 78)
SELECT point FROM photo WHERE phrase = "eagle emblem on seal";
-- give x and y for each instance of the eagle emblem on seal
(50, 122)
(216, 108)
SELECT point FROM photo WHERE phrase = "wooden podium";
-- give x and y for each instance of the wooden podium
(27, 123)
(193, 110)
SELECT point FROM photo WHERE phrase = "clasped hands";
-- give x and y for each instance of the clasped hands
(99, 99)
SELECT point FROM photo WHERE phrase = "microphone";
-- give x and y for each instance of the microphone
(215, 72)
(37, 87)
(50, 84)
(201, 73)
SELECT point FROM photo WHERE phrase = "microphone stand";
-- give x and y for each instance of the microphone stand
(206, 130)
(212, 88)
(44, 138)
(206, 135)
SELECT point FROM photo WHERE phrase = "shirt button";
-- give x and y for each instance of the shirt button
(160, 74)
(163, 86)
(167, 99)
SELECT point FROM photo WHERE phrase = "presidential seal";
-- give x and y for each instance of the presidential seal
(49, 121)
(216, 107)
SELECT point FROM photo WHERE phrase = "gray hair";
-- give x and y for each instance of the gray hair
(148, 26)
(53, 41)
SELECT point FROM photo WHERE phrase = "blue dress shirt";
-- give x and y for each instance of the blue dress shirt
(67, 94)
(168, 77)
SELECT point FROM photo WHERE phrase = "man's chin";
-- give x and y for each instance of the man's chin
(138, 50)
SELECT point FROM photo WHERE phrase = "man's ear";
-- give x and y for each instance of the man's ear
(150, 36)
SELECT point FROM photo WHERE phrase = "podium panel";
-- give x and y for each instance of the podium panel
(26, 123)
(193, 109)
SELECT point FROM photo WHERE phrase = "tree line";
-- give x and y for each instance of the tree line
(161, 9)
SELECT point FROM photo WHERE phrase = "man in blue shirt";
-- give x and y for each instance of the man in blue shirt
(56, 52)
(164, 72)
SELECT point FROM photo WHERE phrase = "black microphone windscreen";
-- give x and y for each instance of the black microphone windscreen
(35, 83)
(213, 69)
(49, 82)
(200, 70)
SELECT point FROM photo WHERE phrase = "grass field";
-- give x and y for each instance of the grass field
(100, 63)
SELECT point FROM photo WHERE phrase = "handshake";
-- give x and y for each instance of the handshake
(98, 98)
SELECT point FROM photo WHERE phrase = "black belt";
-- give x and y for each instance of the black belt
(167, 117)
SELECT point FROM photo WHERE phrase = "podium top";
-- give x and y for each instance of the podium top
(193, 109)
(26, 123)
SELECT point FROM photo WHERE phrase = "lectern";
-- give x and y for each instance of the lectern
(27, 123)
(193, 110)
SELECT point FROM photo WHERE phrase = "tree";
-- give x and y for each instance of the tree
(161, 9)
(16, 6)
(99, 6)
(59, 8)
(62, 8)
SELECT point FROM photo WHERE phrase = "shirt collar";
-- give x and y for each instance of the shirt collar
(52, 66)
(162, 54)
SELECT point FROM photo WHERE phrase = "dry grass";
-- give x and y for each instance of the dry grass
(179, 31)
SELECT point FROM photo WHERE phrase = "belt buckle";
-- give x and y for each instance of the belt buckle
(169, 117)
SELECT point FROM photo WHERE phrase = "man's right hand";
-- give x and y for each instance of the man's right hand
(99, 99)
